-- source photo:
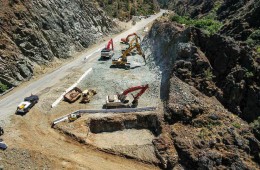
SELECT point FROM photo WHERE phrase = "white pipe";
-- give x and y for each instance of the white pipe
(54, 104)
(123, 110)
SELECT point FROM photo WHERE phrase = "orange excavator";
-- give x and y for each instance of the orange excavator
(108, 52)
(122, 61)
(122, 100)
(126, 40)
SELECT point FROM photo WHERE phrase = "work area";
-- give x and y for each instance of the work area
(112, 108)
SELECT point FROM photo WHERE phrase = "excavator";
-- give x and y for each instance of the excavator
(122, 61)
(126, 40)
(108, 52)
(122, 101)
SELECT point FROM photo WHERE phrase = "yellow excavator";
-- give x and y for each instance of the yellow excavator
(122, 61)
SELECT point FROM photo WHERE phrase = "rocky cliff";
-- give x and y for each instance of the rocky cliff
(204, 76)
(189, 7)
(226, 63)
(36, 32)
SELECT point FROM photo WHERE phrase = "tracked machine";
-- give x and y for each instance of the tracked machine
(108, 51)
(122, 100)
(122, 61)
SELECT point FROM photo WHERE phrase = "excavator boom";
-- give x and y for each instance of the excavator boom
(126, 40)
(110, 42)
(132, 89)
(122, 61)
(108, 52)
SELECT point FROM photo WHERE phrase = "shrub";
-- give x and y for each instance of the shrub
(210, 25)
(3, 87)
(236, 125)
(249, 74)
(208, 74)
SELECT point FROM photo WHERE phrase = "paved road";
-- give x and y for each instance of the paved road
(8, 104)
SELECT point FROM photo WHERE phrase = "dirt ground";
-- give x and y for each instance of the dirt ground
(34, 144)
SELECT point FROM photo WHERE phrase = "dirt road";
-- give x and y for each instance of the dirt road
(9, 103)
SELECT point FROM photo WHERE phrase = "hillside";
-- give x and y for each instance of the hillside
(37, 32)
(125, 9)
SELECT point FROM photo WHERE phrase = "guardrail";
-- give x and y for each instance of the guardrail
(122, 110)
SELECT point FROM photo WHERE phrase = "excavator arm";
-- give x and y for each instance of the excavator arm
(110, 42)
(134, 44)
(126, 40)
(137, 96)
(132, 89)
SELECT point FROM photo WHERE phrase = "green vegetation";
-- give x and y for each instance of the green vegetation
(209, 25)
(211, 124)
(258, 49)
(3, 87)
(236, 125)
(208, 74)
(203, 132)
(249, 74)
(254, 40)
(213, 13)
(124, 9)
(256, 123)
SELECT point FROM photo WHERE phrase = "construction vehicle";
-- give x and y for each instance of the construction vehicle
(27, 104)
(122, 100)
(86, 95)
(126, 40)
(122, 61)
(72, 117)
(108, 52)
(73, 95)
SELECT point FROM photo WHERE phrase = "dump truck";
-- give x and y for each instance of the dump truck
(73, 95)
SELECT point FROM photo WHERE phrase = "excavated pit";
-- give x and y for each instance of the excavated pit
(110, 124)
(130, 135)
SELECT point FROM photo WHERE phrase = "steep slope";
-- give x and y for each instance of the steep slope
(204, 134)
(125, 9)
(189, 7)
(241, 20)
(36, 32)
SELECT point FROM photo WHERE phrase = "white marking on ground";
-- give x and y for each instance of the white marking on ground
(71, 87)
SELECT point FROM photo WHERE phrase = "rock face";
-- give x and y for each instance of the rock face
(188, 7)
(35, 32)
(202, 75)
(241, 18)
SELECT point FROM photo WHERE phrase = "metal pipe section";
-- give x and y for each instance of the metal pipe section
(85, 111)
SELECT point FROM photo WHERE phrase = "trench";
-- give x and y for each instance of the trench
(110, 124)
